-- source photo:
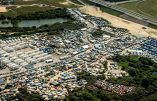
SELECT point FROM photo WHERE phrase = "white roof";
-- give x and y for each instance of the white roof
(75, 52)
(139, 51)
(106, 36)
(85, 46)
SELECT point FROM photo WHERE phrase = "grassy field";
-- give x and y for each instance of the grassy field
(13, 11)
(56, 3)
(22, 2)
(23, 7)
(146, 7)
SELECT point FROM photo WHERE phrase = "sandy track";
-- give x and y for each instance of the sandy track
(3, 9)
(135, 29)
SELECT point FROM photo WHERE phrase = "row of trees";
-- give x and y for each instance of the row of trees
(24, 95)
(49, 14)
(90, 95)
(54, 13)
(50, 29)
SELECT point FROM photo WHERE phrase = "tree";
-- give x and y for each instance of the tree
(145, 83)
(132, 72)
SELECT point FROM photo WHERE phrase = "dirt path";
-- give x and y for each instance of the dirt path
(135, 29)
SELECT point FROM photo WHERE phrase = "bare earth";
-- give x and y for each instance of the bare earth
(3, 9)
(27, 0)
(135, 29)
(68, 2)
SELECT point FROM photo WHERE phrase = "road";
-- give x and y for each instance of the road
(127, 12)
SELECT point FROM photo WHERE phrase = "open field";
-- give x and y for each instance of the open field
(56, 3)
(15, 11)
(31, 6)
(135, 29)
(146, 7)
(26, 2)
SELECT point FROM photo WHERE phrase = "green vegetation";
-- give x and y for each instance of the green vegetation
(99, 33)
(13, 11)
(49, 14)
(87, 94)
(104, 9)
(140, 71)
(110, 11)
(116, 0)
(29, 2)
(131, 6)
(53, 13)
(55, 3)
(71, 24)
(124, 61)
(6, 2)
(88, 77)
(50, 29)
(26, 7)
(76, 2)
(91, 93)
(146, 7)
(87, 2)
(152, 26)
(24, 95)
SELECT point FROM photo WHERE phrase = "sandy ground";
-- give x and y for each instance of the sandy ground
(68, 2)
(6, 70)
(65, 3)
(3, 9)
(135, 29)
(28, 0)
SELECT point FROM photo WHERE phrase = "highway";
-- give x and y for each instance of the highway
(127, 12)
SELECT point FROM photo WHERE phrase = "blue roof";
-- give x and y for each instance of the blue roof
(154, 73)
(1, 81)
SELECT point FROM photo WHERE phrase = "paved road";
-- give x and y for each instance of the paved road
(127, 12)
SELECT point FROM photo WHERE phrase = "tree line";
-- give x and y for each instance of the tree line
(53, 13)
(49, 14)
(50, 29)
(141, 76)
